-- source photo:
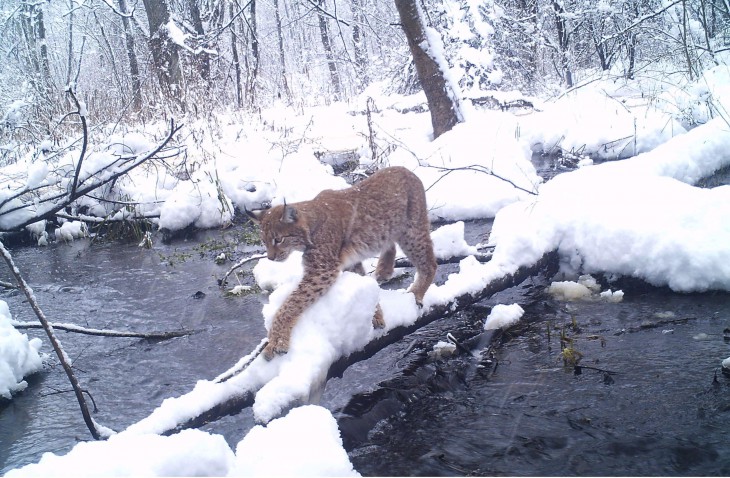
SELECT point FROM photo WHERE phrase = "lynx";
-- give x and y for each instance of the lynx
(337, 230)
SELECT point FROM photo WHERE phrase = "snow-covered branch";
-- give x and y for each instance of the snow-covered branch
(25, 203)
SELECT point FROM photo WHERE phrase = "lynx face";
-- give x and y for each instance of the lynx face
(281, 232)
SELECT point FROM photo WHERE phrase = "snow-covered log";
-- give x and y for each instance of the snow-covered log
(211, 400)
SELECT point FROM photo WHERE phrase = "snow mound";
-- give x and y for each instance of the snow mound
(632, 218)
(71, 230)
(19, 356)
(586, 288)
(448, 241)
(306, 442)
(502, 316)
(188, 453)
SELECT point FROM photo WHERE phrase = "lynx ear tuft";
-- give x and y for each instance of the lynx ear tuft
(289, 216)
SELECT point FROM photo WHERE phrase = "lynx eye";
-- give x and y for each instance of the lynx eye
(277, 240)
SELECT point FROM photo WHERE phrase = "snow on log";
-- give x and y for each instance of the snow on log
(333, 334)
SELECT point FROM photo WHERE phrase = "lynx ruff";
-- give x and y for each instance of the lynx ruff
(337, 230)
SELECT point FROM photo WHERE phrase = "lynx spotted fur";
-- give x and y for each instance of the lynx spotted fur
(337, 230)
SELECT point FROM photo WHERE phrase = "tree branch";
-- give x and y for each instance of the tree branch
(106, 332)
(82, 114)
(60, 353)
(52, 209)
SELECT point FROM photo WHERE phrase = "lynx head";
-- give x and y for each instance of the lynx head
(282, 231)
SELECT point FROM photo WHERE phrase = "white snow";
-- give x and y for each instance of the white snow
(502, 316)
(71, 230)
(188, 453)
(19, 355)
(306, 442)
(640, 217)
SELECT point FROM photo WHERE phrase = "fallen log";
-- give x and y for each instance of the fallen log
(106, 332)
(237, 402)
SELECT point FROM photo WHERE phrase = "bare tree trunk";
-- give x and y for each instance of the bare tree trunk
(34, 32)
(444, 114)
(563, 42)
(282, 57)
(327, 45)
(358, 17)
(236, 61)
(45, 65)
(202, 59)
(164, 52)
(131, 57)
(254, 78)
(69, 63)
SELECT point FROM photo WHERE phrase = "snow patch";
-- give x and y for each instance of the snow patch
(19, 356)
(503, 316)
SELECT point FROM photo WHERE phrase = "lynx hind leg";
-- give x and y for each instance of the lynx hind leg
(378, 320)
(418, 247)
(386, 263)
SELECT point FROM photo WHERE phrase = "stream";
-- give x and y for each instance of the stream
(649, 398)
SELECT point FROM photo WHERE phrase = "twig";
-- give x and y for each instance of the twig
(58, 392)
(54, 342)
(84, 144)
(481, 257)
(242, 364)
(7, 285)
(222, 282)
(106, 332)
(478, 168)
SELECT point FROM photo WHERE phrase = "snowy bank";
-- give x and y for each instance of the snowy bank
(19, 356)
(636, 217)
(306, 442)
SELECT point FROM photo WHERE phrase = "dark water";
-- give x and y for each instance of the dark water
(661, 413)
(515, 410)
(124, 288)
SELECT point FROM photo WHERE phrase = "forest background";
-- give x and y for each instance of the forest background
(132, 62)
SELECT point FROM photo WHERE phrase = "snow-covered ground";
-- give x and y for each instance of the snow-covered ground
(639, 217)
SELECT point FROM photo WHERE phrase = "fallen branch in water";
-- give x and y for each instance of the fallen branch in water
(105, 332)
(222, 282)
(60, 353)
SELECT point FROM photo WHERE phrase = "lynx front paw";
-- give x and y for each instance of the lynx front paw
(275, 347)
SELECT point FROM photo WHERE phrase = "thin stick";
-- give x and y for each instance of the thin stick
(242, 364)
(222, 282)
(82, 115)
(105, 332)
(78, 391)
